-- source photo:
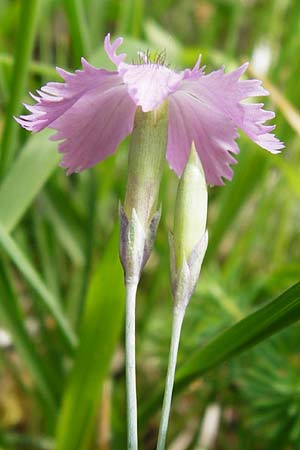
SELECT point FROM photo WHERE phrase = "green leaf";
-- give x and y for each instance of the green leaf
(290, 171)
(63, 231)
(26, 177)
(24, 45)
(46, 381)
(35, 67)
(79, 31)
(102, 321)
(10, 440)
(131, 17)
(249, 173)
(33, 278)
(256, 327)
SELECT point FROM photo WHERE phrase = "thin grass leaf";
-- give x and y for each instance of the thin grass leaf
(35, 67)
(63, 231)
(291, 174)
(131, 17)
(99, 333)
(33, 278)
(236, 194)
(45, 380)
(91, 200)
(76, 16)
(97, 19)
(11, 440)
(25, 179)
(47, 253)
(255, 328)
(25, 39)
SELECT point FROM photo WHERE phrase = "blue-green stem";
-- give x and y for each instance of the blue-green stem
(132, 435)
(178, 315)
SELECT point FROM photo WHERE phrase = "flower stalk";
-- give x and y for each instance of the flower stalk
(178, 315)
(131, 399)
(188, 247)
(139, 219)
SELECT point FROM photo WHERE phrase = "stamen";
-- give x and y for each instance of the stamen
(151, 58)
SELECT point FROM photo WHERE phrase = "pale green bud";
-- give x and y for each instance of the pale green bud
(145, 164)
(190, 209)
(140, 215)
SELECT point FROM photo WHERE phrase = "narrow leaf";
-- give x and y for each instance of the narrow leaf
(25, 40)
(26, 177)
(11, 314)
(99, 333)
(33, 278)
(255, 328)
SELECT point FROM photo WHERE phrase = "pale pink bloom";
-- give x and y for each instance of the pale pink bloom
(93, 111)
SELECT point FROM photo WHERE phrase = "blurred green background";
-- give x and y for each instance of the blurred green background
(60, 276)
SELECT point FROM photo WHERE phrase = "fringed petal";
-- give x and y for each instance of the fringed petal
(213, 133)
(110, 50)
(227, 93)
(91, 111)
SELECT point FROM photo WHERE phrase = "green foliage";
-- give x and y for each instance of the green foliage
(98, 336)
(254, 328)
(61, 295)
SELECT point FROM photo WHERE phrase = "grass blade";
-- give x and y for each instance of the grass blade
(63, 231)
(26, 177)
(255, 328)
(25, 40)
(75, 12)
(236, 194)
(49, 301)
(131, 17)
(99, 333)
(45, 380)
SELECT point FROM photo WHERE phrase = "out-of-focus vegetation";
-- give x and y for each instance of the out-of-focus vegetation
(60, 277)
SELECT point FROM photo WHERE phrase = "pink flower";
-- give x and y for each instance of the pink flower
(93, 111)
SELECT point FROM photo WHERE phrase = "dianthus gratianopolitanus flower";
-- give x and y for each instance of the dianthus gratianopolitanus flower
(94, 109)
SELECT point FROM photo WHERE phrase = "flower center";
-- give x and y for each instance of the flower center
(151, 58)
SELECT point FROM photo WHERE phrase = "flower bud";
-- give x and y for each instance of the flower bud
(140, 217)
(189, 242)
(145, 165)
(190, 209)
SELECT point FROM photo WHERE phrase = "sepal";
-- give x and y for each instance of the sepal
(185, 278)
(136, 243)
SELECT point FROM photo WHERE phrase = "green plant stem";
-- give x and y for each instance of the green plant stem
(132, 435)
(25, 40)
(178, 315)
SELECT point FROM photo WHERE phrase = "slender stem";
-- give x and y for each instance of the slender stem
(178, 315)
(132, 436)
